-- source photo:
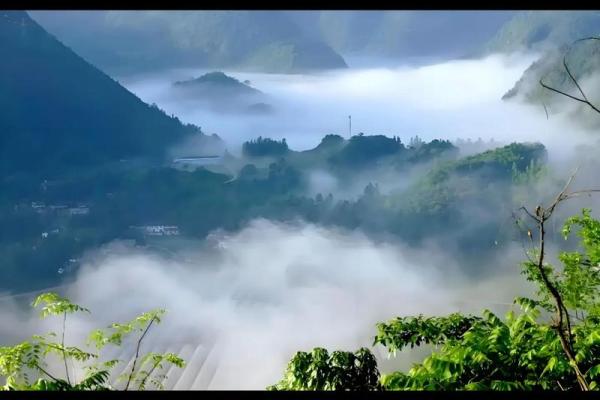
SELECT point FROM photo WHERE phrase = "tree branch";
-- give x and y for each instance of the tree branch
(143, 382)
(563, 93)
(541, 216)
(47, 373)
(63, 347)
(528, 213)
(137, 352)
(521, 239)
(572, 77)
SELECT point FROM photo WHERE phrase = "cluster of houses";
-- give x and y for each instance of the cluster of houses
(60, 209)
(158, 230)
(190, 163)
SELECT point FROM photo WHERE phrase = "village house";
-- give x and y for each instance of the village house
(38, 207)
(79, 210)
(159, 230)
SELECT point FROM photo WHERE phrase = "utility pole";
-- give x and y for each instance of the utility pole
(349, 126)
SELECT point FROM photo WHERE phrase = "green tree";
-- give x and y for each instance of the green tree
(552, 342)
(340, 370)
(263, 147)
(25, 366)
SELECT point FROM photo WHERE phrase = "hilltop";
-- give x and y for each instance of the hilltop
(59, 112)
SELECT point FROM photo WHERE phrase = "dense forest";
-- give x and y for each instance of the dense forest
(61, 113)
(272, 182)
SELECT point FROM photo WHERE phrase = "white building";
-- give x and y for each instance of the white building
(79, 210)
(195, 162)
(161, 230)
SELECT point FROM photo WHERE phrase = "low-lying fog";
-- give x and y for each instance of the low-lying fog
(270, 290)
(449, 100)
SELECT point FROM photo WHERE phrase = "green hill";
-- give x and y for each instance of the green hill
(398, 34)
(542, 30)
(223, 93)
(552, 33)
(584, 63)
(59, 112)
(217, 84)
(266, 41)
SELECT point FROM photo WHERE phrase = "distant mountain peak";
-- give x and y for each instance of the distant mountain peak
(218, 79)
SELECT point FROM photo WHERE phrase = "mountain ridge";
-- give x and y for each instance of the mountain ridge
(244, 40)
(61, 111)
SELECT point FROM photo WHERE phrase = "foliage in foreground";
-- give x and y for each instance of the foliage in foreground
(25, 365)
(319, 370)
(524, 350)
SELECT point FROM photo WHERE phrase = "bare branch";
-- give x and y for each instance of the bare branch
(528, 213)
(562, 315)
(572, 77)
(542, 215)
(580, 192)
(563, 93)
(522, 241)
(561, 196)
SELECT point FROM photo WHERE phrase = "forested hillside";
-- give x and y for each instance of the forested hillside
(133, 41)
(544, 30)
(61, 113)
(396, 34)
(348, 190)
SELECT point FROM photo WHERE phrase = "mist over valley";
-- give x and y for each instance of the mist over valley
(287, 191)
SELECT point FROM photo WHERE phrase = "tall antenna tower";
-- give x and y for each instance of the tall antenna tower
(349, 126)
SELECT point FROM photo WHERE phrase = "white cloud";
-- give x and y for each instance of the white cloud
(453, 99)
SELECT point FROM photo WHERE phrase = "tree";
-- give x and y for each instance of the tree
(527, 350)
(340, 370)
(21, 362)
(415, 142)
(263, 147)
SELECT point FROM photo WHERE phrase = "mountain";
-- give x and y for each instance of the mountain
(59, 112)
(217, 84)
(544, 30)
(553, 34)
(400, 34)
(268, 41)
(584, 62)
(224, 93)
(130, 41)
